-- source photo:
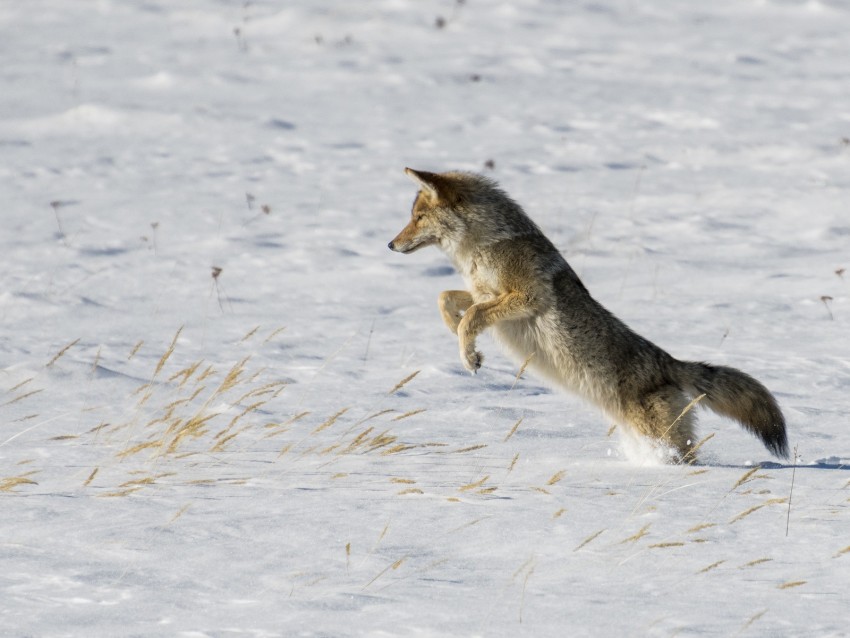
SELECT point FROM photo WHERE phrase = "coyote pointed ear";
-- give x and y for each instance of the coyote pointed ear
(427, 181)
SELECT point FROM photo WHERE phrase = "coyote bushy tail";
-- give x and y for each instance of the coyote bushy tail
(735, 394)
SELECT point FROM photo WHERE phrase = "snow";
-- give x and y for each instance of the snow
(189, 455)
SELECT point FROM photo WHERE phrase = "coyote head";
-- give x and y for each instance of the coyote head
(458, 212)
(434, 219)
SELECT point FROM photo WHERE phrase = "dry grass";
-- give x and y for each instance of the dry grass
(710, 567)
(10, 483)
(589, 539)
(398, 386)
(637, 536)
(61, 353)
(513, 429)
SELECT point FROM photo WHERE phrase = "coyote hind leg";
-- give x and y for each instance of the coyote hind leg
(660, 416)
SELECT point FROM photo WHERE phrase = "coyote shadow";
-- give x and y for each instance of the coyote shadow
(828, 463)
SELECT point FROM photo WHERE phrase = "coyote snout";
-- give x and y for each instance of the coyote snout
(519, 284)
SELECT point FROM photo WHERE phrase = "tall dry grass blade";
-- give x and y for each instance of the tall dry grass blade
(691, 457)
(522, 369)
(755, 508)
(138, 448)
(556, 477)
(636, 537)
(686, 409)
(167, 353)
(22, 397)
(274, 334)
(790, 494)
(398, 386)
(10, 483)
(375, 415)
(250, 334)
(470, 448)
(513, 462)
(589, 539)
(330, 421)
(232, 378)
(393, 567)
(710, 567)
(20, 385)
(135, 349)
(513, 429)
(746, 477)
(409, 414)
(179, 513)
(59, 354)
(750, 622)
(524, 586)
(472, 486)
(91, 477)
(700, 527)
(96, 361)
(186, 373)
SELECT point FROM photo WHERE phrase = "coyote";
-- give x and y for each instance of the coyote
(521, 286)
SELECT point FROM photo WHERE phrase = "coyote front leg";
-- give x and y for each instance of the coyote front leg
(505, 307)
(452, 303)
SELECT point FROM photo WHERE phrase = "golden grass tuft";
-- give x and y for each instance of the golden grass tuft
(751, 621)
(522, 369)
(21, 397)
(589, 539)
(393, 567)
(135, 350)
(274, 333)
(409, 414)
(791, 584)
(474, 485)
(20, 385)
(330, 421)
(559, 513)
(10, 483)
(513, 429)
(666, 545)
(470, 448)
(513, 462)
(398, 386)
(755, 508)
(134, 449)
(59, 354)
(636, 537)
(757, 561)
(88, 481)
(164, 358)
(556, 477)
(746, 477)
(700, 527)
(249, 334)
(710, 567)
(841, 552)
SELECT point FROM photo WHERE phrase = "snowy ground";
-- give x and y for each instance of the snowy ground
(184, 455)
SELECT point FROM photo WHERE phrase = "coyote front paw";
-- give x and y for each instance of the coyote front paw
(471, 359)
